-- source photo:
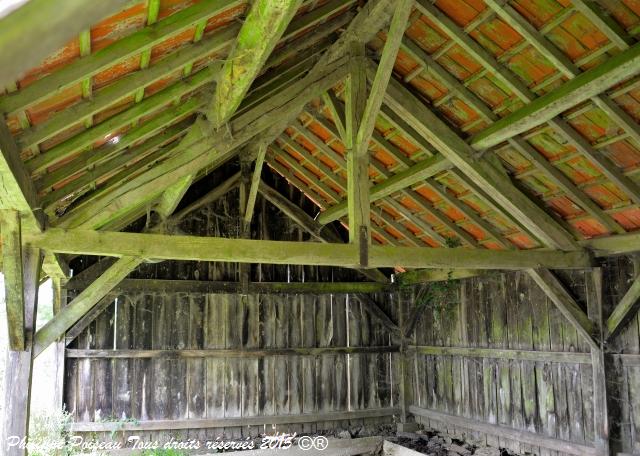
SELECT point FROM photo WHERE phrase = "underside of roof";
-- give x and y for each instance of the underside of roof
(505, 125)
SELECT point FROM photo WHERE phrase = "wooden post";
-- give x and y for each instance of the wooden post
(19, 363)
(357, 154)
(405, 383)
(59, 301)
(245, 226)
(600, 410)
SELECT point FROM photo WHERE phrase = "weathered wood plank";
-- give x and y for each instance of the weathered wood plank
(158, 246)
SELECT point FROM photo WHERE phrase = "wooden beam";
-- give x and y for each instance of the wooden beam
(83, 303)
(337, 113)
(255, 183)
(226, 352)
(295, 213)
(361, 115)
(209, 197)
(262, 28)
(159, 247)
(518, 435)
(19, 194)
(357, 154)
(435, 275)
(418, 172)
(625, 309)
(600, 407)
(88, 318)
(484, 174)
(565, 304)
(493, 353)
(207, 286)
(13, 277)
(227, 422)
(613, 245)
(579, 89)
(171, 197)
(59, 22)
(19, 364)
(376, 312)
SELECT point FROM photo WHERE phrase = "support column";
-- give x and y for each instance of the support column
(405, 383)
(600, 409)
(19, 363)
(59, 301)
(245, 227)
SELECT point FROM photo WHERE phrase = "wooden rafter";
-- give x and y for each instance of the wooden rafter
(198, 155)
(484, 174)
(157, 246)
(61, 22)
(262, 29)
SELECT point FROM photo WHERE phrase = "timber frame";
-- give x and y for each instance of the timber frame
(428, 150)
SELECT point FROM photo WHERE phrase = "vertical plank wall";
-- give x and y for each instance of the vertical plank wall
(552, 399)
(178, 389)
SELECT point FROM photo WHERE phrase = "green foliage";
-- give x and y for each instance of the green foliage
(163, 453)
(440, 296)
(45, 429)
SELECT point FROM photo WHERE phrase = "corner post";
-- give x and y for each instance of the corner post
(600, 409)
(19, 363)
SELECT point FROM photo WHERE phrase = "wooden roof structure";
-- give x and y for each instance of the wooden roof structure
(507, 129)
(444, 136)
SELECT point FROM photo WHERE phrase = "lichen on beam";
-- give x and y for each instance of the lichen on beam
(266, 22)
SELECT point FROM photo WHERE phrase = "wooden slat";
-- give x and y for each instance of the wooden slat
(157, 246)
(255, 183)
(613, 245)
